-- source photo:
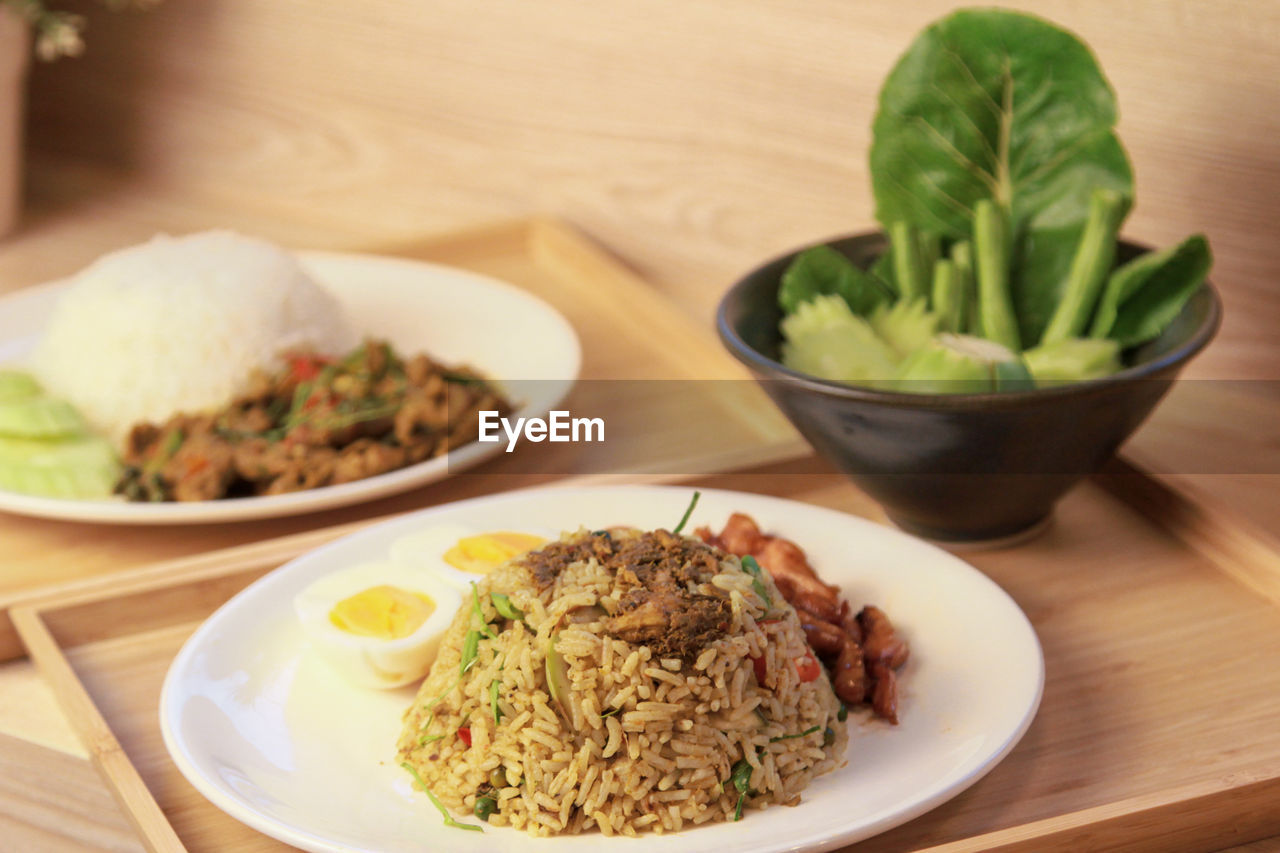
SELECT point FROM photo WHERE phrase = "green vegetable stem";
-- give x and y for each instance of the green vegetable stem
(1095, 254)
(962, 258)
(948, 297)
(991, 247)
(908, 261)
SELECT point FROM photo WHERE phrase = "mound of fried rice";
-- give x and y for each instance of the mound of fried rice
(642, 736)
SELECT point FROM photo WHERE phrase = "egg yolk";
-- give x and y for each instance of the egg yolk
(483, 553)
(385, 612)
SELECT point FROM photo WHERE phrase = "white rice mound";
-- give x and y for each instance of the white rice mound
(181, 324)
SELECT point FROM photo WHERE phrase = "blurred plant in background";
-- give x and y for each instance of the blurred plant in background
(59, 33)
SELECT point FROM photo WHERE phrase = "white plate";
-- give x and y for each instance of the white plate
(455, 315)
(259, 725)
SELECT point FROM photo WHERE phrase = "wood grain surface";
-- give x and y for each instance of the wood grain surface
(656, 420)
(696, 138)
(1148, 737)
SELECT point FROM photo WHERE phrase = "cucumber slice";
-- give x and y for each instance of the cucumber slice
(825, 339)
(76, 483)
(1073, 360)
(960, 364)
(40, 417)
(56, 453)
(84, 467)
(908, 326)
(16, 385)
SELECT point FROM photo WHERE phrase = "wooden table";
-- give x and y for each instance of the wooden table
(50, 796)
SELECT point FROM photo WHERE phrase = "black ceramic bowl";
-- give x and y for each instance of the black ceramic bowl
(960, 467)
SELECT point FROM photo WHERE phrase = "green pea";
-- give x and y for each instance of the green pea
(485, 806)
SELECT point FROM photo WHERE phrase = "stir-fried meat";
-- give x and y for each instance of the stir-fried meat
(880, 642)
(861, 651)
(667, 601)
(673, 623)
(322, 421)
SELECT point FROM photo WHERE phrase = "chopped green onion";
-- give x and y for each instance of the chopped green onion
(448, 818)
(741, 779)
(750, 566)
(479, 614)
(688, 512)
(300, 394)
(470, 648)
(507, 610)
(610, 712)
(426, 739)
(460, 378)
(493, 700)
(807, 731)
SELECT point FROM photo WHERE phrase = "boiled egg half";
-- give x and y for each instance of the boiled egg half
(462, 554)
(378, 624)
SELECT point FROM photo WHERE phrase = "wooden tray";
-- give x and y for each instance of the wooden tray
(1158, 729)
(629, 331)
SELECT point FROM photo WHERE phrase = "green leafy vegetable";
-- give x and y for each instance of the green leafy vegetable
(557, 673)
(807, 731)
(908, 261)
(1144, 296)
(1089, 268)
(751, 567)
(822, 271)
(995, 104)
(507, 610)
(948, 296)
(477, 614)
(1001, 186)
(470, 649)
(684, 519)
(962, 257)
(740, 777)
(448, 818)
(996, 320)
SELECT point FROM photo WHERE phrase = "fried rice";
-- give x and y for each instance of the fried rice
(623, 682)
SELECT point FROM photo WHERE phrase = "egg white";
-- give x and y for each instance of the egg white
(370, 661)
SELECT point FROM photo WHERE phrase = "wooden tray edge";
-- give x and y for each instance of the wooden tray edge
(1242, 550)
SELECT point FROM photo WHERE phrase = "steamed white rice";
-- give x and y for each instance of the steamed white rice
(181, 324)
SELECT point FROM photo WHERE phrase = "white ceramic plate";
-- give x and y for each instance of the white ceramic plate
(455, 315)
(263, 729)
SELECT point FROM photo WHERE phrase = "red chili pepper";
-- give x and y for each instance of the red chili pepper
(304, 367)
(465, 734)
(761, 668)
(808, 667)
